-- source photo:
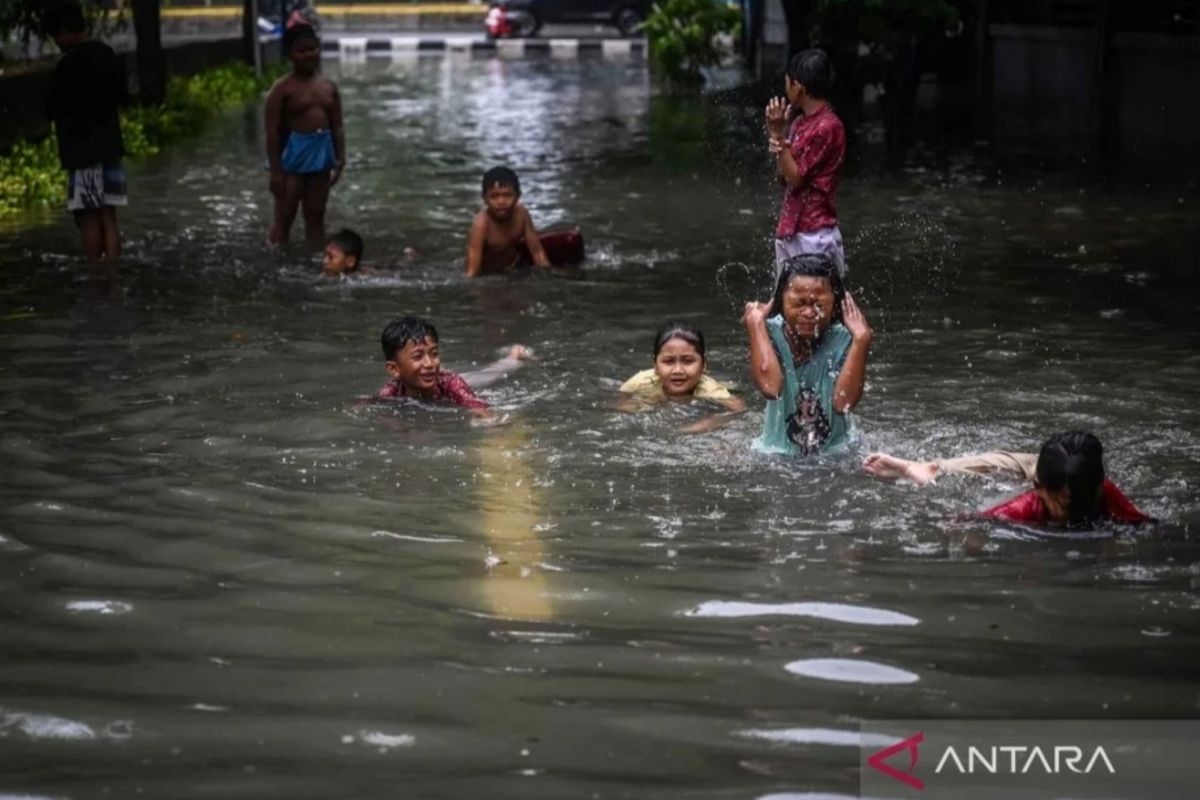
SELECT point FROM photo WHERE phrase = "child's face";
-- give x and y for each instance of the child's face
(793, 89)
(1057, 503)
(335, 261)
(305, 56)
(500, 201)
(808, 306)
(679, 366)
(417, 365)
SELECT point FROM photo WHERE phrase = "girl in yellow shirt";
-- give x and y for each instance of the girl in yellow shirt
(678, 375)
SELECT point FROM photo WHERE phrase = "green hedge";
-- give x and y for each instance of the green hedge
(30, 174)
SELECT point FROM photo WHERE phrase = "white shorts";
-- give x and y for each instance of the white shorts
(827, 241)
(95, 187)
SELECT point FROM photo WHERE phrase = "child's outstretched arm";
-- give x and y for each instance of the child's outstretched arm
(733, 407)
(498, 370)
(764, 363)
(849, 387)
(475, 240)
(534, 243)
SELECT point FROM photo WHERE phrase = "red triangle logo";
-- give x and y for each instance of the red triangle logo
(877, 761)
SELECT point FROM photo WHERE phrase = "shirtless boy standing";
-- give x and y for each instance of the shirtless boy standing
(306, 146)
(502, 236)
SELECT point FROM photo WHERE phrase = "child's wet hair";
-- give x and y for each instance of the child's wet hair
(1074, 460)
(404, 330)
(679, 330)
(63, 16)
(809, 265)
(501, 176)
(296, 34)
(348, 242)
(813, 69)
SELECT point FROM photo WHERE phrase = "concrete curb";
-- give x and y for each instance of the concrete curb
(362, 46)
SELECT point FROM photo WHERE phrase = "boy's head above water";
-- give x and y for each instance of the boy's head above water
(303, 49)
(679, 358)
(343, 253)
(809, 295)
(501, 191)
(1070, 476)
(410, 346)
(809, 74)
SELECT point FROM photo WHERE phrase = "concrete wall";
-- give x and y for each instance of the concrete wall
(1159, 112)
(1043, 99)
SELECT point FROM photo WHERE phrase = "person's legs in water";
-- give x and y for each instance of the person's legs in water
(314, 199)
(112, 234)
(287, 203)
(91, 230)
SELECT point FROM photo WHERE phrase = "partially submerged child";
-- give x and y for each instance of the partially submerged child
(85, 94)
(808, 357)
(1069, 484)
(502, 237)
(343, 254)
(410, 347)
(679, 375)
(306, 145)
(809, 152)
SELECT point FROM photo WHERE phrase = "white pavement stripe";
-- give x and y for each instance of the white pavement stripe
(614, 47)
(398, 46)
(510, 47)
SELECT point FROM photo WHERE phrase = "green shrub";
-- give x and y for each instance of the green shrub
(31, 175)
(683, 34)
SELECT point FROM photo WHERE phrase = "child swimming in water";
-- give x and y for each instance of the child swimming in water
(410, 347)
(503, 229)
(808, 357)
(343, 254)
(1069, 484)
(679, 375)
(306, 144)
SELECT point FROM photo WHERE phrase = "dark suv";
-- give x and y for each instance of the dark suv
(525, 17)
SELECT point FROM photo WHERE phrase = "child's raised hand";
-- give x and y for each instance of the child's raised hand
(777, 117)
(855, 321)
(755, 314)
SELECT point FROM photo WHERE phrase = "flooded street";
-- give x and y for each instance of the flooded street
(222, 577)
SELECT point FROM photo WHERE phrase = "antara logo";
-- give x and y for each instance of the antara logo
(1021, 760)
(994, 760)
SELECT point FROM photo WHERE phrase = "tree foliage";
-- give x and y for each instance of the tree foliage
(21, 19)
(683, 35)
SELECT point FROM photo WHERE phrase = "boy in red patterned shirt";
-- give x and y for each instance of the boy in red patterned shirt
(809, 153)
(410, 345)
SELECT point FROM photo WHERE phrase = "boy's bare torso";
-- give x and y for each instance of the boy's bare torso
(502, 241)
(308, 103)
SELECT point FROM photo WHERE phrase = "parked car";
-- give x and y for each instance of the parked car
(507, 18)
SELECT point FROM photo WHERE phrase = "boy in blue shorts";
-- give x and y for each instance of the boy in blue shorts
(306, 145)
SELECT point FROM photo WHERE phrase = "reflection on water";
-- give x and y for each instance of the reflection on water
(222, 578)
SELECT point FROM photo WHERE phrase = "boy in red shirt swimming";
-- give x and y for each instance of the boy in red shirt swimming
(410, 345)
(809, 153)
(1069, 485)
